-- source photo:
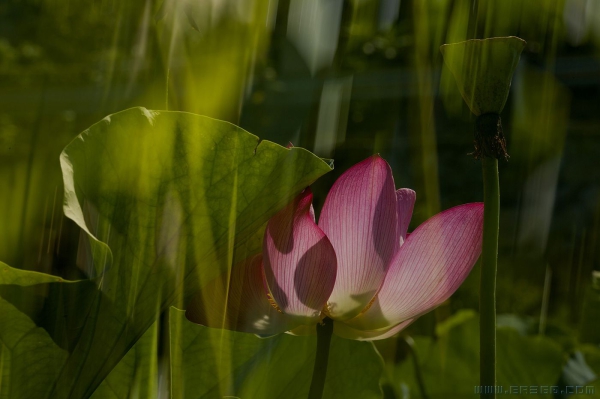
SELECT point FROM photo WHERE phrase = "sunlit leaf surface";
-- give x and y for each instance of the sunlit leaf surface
(169, 200)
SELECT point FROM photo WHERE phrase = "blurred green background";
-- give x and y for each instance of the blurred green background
(344, 79)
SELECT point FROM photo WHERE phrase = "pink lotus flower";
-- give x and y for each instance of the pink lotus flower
(358, 266)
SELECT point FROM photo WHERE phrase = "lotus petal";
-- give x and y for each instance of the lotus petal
(300, 263)
(433, 262)
(360, 218)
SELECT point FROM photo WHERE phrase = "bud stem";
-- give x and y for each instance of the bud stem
(487, 287)
(324, 332)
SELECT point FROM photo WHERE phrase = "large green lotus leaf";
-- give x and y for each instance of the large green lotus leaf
(450, 363)
(136, 375)
(483, 70)
(53, 312)
(211, 363)
(30, 361)
(24, 278)
(165, 184)
(169, 201)
(54, 304)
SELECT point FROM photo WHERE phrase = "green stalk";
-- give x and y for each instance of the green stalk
(324, 332)
(489, 257)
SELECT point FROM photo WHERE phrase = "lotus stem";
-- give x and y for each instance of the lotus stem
(489, 258)
(324, 333)
(483, 70)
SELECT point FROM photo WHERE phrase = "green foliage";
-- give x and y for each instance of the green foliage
(30, 361)
(136, 375)
(65, 64)
(210, 363)
(169, 200)
(592, 357)
(540, 118)
(23, 278)
(450, 362)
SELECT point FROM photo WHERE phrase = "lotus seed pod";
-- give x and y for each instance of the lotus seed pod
(483, 70)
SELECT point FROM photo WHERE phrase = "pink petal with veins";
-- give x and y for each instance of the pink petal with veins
(405, 198)
(239, 302)
(359, 217)
(300, 263)
(433, 262)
